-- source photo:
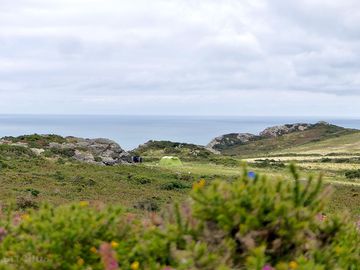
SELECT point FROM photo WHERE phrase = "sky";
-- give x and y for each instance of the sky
(180, 57)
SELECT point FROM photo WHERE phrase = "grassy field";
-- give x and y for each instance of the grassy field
(130, 216)
(27, 180)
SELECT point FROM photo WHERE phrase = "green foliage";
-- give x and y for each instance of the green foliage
(247, 224)
(36, 140)
(153, 150)
(33, 192)
(149, 204)
(226, 161)
(175, 185)
(3, 165)
(25, 202)
(352, 174)
(98, 159)
(60, 238)
(62, 152)
(268, 163)
(10, 151)
(142, 180)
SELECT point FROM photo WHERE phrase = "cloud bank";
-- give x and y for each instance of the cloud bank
(251, 57)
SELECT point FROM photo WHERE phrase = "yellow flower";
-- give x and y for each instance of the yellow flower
(293, 265)
(10, 253)
(135, 265)
(93, 249)
(338, 250)
(199, 184)
(114, 244)
(202, 183)
(84, 203)
(80, 261)
(26, 217)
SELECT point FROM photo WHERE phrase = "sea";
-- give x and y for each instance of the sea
(131, 131)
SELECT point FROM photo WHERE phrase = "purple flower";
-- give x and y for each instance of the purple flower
(108, 257)
(267, 267)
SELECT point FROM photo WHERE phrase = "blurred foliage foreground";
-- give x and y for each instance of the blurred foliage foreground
(252, 223)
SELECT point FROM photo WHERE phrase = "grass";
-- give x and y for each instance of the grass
(60, 181)
(287, 142)
(345, 144)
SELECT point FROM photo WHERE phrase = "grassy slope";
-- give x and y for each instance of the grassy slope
(269, 145)
(61, 182)
(348, 143)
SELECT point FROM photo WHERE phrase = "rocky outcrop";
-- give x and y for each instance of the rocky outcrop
(97, 151)
(229, 140)
(277, 131)
(101, 151)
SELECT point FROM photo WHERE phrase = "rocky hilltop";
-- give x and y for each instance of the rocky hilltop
(229, 140)
(269, 138)
(97, 151)
(285, 129)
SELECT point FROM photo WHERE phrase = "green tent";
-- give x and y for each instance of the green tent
(170, 161)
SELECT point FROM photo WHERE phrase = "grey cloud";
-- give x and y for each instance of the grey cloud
(95, 50)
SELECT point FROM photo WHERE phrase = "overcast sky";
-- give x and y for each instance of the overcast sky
(206, 57)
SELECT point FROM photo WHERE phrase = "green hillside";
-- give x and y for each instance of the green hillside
(342, 144)
(154, 150)
(265, 146)
(129, 208)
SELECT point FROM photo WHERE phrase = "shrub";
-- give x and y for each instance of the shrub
(25, 202)
(268, 163)
(174, 185)
(143, 181)
(36, 140)
(11, 151)
(33, 192)
(149, 204)
(98, 159)
(352, 174)
(252, 224)
(63, 152)
(3, 165)
(66, 237)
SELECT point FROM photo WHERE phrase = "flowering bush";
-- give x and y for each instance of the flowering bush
(251, 223)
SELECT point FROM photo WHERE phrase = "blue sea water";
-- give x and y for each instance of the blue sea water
(130, 131)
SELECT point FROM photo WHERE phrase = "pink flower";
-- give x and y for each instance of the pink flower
(3, 233)
(108, 257)
(321, 217)
(267, 267)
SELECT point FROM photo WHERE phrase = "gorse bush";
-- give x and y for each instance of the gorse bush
(260, 224)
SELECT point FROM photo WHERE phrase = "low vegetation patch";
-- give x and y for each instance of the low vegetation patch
(36, 140)
(353, 174)
(268, 163)
(173, 185)
(251, 223)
